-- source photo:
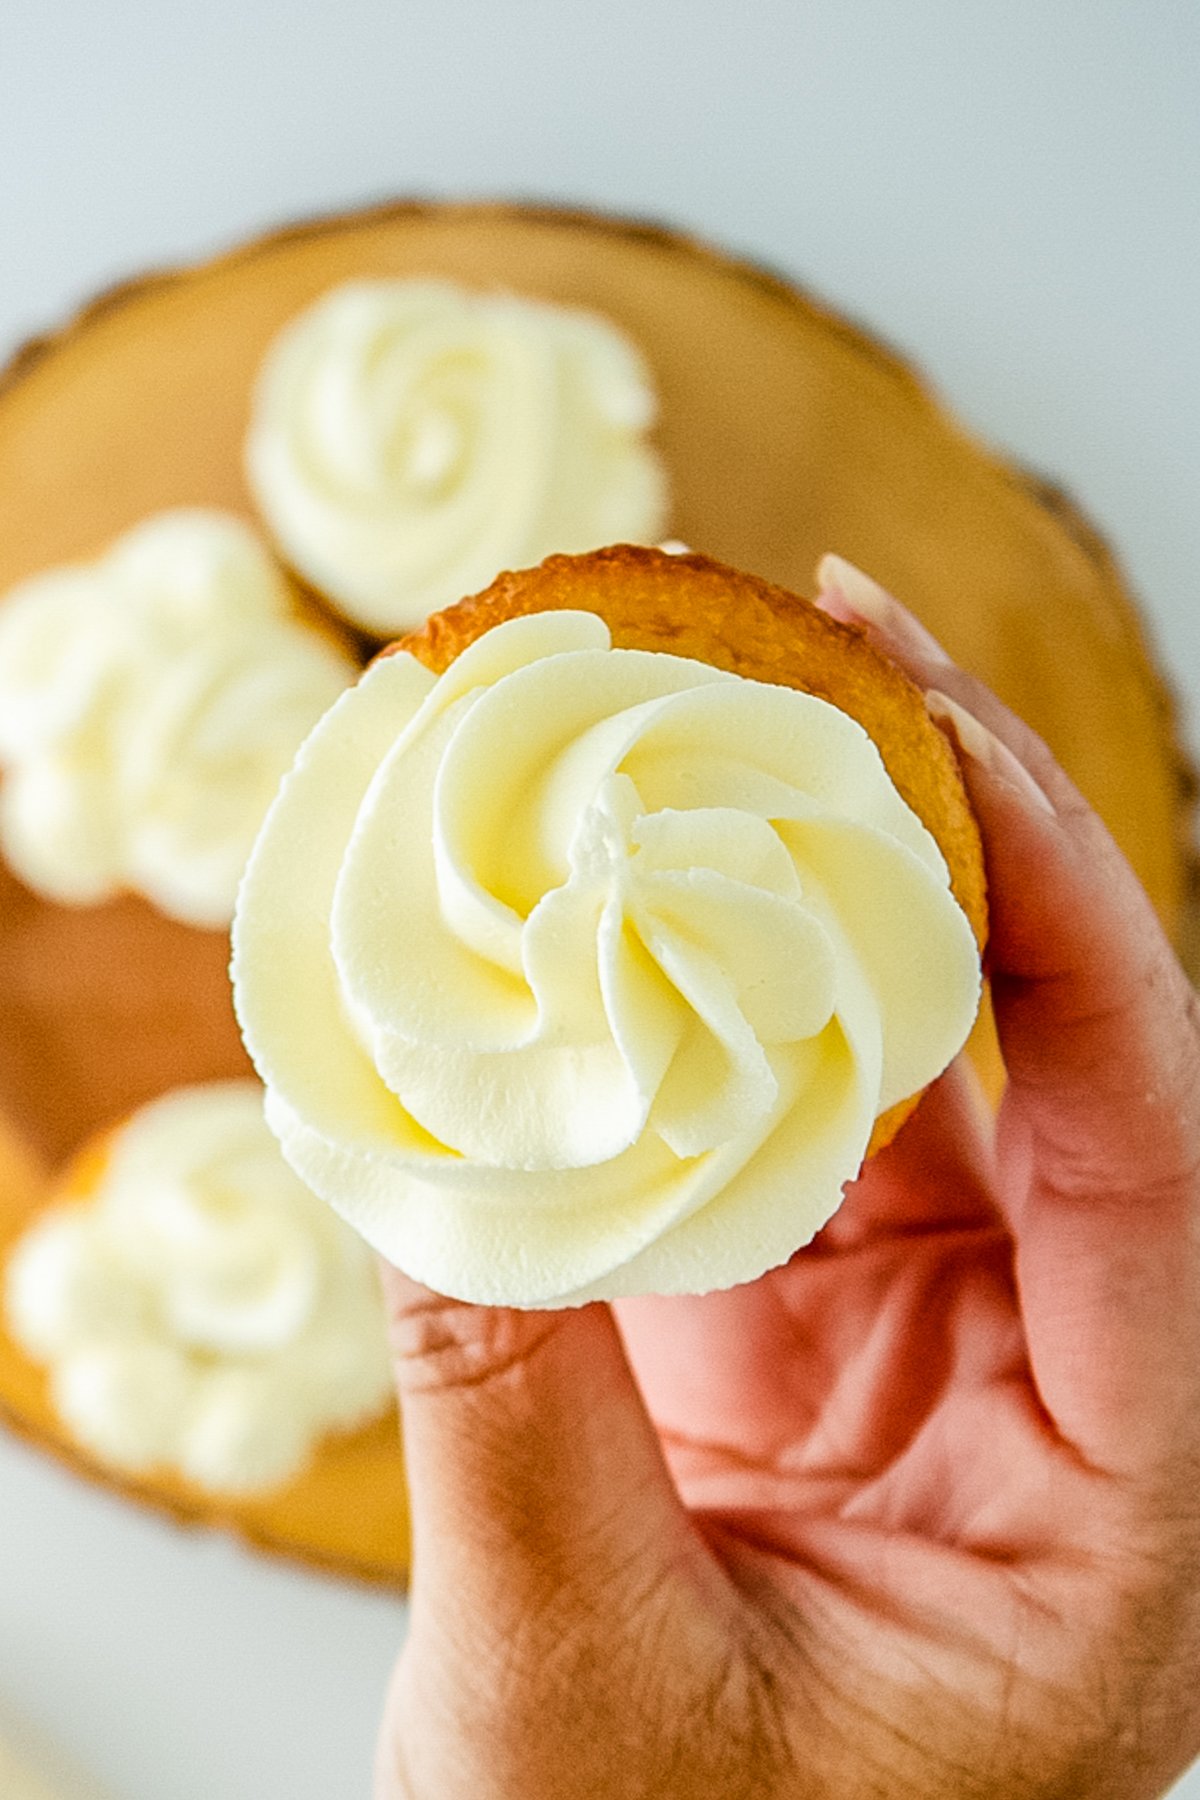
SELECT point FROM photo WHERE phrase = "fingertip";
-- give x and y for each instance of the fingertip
(838, 573)
(830, 596)
(853, 596)
(982, 748)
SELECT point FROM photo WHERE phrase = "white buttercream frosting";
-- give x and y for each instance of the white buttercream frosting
(584, 972)
(202, 1311)
(411, 439)
(149, 703)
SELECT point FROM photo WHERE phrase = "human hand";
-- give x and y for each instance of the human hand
(917, 1513)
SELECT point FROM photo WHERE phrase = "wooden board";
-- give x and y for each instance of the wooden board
(786, 432)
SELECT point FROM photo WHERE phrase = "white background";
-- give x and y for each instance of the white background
(1011, 194)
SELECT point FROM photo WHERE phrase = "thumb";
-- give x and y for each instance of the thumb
(540, 1500)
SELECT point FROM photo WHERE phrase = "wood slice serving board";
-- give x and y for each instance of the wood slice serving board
(786, 432)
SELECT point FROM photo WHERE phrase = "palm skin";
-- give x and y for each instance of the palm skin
(869, 1442)
(917, 1514)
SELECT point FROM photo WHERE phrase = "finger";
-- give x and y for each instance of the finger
(1100, 1126)
(547, 1535)
(1099, 1130)
(524, 1434)
(848, 594)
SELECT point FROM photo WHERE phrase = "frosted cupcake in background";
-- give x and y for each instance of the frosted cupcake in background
(149, 703)
(411, 439)
(198, 1309)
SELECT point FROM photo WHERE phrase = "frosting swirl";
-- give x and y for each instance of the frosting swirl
(149, 703)
(581, 972)
(411, 438)
(202, 1310)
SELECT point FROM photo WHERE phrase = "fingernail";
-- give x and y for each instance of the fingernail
(873, 605)
(983, 746)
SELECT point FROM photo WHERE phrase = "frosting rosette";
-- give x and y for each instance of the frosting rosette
(149, 703)
(579, 972)
(199, 1309)
(410, 438)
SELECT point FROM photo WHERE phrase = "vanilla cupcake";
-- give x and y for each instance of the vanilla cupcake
(600, 931)
(197, 1310)
(150, 700)
(410, 439)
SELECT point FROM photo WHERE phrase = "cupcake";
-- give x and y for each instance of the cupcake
(189, 1323)
(602, 929)
(411, 438)
(149, 704)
